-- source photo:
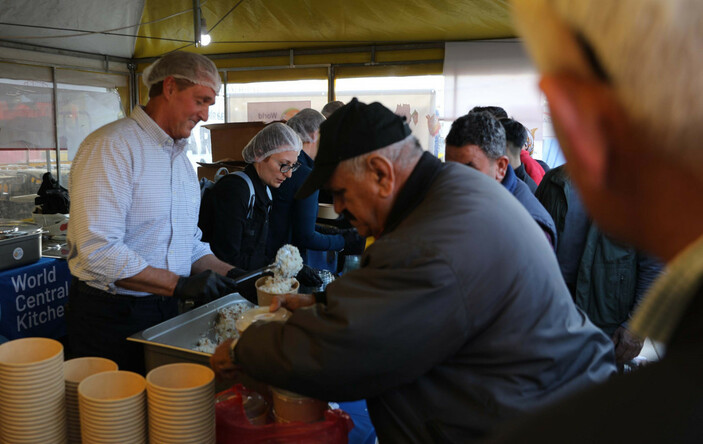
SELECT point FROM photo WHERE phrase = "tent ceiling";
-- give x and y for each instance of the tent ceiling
(247, 25)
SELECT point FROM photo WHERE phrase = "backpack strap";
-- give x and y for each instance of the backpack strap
(252, 196)
(250, 205)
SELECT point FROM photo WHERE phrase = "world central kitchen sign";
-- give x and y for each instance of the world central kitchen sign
(33, 299)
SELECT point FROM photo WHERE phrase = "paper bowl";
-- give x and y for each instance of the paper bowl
(261, 314)
(30, 354)
(76, 370)
(180, 379)
(112, 387)
(264, 298)
(290, 407)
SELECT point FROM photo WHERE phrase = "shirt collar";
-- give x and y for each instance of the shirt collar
(414, 190)
(154, 131)
(305, 159)
(667, 299)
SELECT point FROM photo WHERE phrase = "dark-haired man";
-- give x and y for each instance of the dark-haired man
(478, 140)
(515, 139)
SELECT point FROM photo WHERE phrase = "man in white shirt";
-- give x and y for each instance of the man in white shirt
(135, 246)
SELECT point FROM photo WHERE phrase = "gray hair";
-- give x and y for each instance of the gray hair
(401, 154)
(480, 129)
(647, 50)
(305, 123)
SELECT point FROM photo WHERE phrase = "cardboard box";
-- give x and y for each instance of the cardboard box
(229, 139)
(209, 170)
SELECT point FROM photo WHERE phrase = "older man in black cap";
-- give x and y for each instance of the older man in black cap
(442, 330)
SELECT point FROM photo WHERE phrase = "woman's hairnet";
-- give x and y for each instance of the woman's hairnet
(189, 66)
(274, 138)
(305, 123)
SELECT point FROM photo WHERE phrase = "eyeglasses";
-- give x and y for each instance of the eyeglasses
(290, 167)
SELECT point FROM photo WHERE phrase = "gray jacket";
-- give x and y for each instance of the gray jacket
(457, 320)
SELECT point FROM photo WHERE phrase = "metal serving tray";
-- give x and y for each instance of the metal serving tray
(173, 340)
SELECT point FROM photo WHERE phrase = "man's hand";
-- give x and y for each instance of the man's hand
(291, 301)
(235, 272)
(203, 287)
(221, 362)
(308, 276)
(627, 345)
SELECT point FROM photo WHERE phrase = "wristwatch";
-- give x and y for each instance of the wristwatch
(231, 350)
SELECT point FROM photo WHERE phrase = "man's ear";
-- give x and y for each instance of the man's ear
(583, 112)
(383, 174)
(169, 87)
(501, 167)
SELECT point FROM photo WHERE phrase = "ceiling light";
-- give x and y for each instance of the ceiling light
(204, 36)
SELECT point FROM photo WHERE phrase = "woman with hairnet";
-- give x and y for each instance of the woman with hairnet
(293, 220)
(234, 221)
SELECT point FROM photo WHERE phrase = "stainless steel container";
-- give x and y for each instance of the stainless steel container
(174, 340)
(20, 243)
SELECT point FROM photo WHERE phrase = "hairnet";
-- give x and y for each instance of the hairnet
(189, 66)
(274, 138)
(305, 123)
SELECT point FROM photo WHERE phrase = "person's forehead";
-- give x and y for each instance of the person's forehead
(202, 91)
(467, 151)
(285, 156)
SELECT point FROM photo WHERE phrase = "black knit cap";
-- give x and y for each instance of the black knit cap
(352, 130)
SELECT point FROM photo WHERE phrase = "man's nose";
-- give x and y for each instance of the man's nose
(288, 173)
(204, 114)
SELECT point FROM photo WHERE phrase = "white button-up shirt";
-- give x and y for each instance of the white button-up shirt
(135, 199)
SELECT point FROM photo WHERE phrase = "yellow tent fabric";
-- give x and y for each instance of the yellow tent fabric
(243, 26)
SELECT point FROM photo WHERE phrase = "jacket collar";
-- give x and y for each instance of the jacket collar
(510, 179)
(414, 190)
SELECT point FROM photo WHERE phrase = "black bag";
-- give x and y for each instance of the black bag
(53, 198)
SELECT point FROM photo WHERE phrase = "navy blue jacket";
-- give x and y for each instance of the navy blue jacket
(292, 221)
(533, 206)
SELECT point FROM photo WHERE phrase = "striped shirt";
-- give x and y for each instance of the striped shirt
(134, 203)
(669, 297)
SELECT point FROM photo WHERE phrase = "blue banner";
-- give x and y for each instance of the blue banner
(32, 300)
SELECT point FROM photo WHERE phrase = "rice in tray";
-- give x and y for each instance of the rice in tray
(225, 328)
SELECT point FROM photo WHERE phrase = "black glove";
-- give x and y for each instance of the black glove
(235, 272)
(353, 242)
(309, 277)
(203, 287)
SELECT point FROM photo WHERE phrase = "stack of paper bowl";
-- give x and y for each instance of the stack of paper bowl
(113, 408)
(75, 371)
(32, 406)
(181, 399)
